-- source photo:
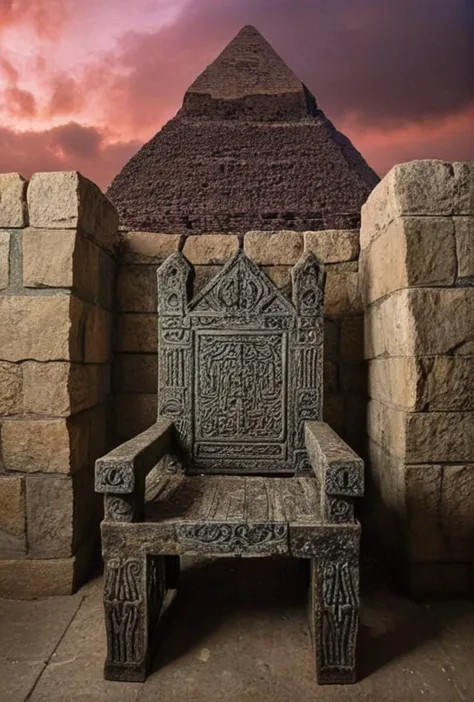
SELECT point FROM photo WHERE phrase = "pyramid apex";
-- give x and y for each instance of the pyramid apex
(248, 80)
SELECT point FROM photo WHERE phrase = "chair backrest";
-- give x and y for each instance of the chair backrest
(240, 365)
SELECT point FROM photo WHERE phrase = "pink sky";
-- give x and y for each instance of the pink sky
(84, 84)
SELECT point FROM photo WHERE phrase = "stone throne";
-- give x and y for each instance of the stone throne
(241, 463)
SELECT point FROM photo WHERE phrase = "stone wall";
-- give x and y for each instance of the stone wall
(417, 283)
(57, 237)
(135, 338)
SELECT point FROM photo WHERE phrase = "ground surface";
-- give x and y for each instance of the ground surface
(237, 633)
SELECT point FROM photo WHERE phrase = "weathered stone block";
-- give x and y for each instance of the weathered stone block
(422, 437)
(352, 339)
(136, 333)
(136, 373)
(134, 413)
(12, 516)
(50, 511)
(330, 377)
(47, 328)
(210, 248)
(353, 378)
(331, 338)
(61, 389)
(45, 445)
(29, 579)
(427, 540)
(333, 245)
(10, 388)
(97, 335)
(429, 187)
(421, 322)
(410, 252)
(147, 247)
(341, 292)
(62, 259)
(13, 210)
(333, 411)
(282, 248)
(4, 259)
(136, 289)
(464, 232)
(67, 200)
(48, 258)
(434, 382)
(457, 500)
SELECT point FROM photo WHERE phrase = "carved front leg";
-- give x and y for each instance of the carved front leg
(334, 616)
(133, 596)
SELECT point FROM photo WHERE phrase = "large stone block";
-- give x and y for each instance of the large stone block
(333, 245)
(13, 210)
(50, 516)
(67, 200)
(422, 437)
(428, 187)
(341, 292)
(135, 373)
(98, 331)
(410, 252)
(10, 388)
(32, 578)
(331, 339)
(333, 411)
(147, 247)
(4, 259)
(464, 232)
(281, 276)
(421, 322)
(282, 248)
(434, 382)
(45, 445)
(210, 248)
(12, 516)
(136, 333)
(202, 276)
(60, 389)
(47, 328)
(457, 500)
(60, 258)
(136, 289)
(426, 537)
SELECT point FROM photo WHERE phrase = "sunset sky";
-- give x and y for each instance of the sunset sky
(83, 83)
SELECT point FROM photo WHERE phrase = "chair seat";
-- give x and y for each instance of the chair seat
(233, 500)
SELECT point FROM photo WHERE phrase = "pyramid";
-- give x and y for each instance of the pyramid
(248, 150)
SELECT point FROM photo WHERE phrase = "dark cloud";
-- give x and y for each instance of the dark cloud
(68, 147)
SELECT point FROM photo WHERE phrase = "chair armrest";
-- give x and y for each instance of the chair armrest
(339, 469)
(124, 469)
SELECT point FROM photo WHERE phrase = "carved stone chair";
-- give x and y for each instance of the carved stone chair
(241, 463)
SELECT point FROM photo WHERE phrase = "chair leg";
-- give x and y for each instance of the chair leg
(133, 595)
(334, 618)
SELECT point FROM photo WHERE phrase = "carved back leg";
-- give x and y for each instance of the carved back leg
(334, 617)
(134, 589)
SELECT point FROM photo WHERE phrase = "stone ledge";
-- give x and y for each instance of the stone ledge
(210, 248)
(67, 200)
(426, 187)
(278, 248)
(13, 209)
(147, 247)
(333, 245)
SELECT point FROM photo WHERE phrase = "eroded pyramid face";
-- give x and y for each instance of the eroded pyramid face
(248, 150)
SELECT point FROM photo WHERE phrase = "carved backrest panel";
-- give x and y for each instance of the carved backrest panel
(240, 366)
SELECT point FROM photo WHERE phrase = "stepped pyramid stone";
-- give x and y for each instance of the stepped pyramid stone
(249, 149)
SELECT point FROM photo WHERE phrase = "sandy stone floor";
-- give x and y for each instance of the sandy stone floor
(237, 632)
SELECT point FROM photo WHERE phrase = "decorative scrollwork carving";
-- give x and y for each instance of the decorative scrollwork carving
(116, 479)
(119, 509)
(233, 536)
(340, 603)
(124, 610)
